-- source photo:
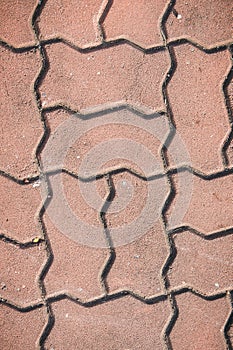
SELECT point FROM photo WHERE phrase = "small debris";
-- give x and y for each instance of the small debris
(216, 285)
(3, 286)
(36, 184)
(78, 157)
(98, 73)
(179, 16)
(67, 315)
(36, 240)
(136, 256)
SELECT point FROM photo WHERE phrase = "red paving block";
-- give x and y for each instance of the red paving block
(19, 273)
(117, 139)
(21, 330)
(209, 26)
(230, 334)
(136, 209)
(138, 265)
(72, 21)
(138, 22)
(15, 24)
(116, 74)
(77, 264)
(200, 113)
(124, 323)
(20, 205)
(200, 323)
(133, 219)
(210, 207)
(21, 128)
(206, 266)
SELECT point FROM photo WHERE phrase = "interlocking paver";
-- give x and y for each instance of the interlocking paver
(120, 324)
(115, 74)
(21, 330)
(67, 238)
(20, 205)
(104, 236)
(137, 266)
(77, 23)
(137, 233)
(19, 273)
(88, 145)
(207, 25)
(197, 103)
(138, 22)
(204, 265)
(200, 323)
(15, 24)
(210, 207)
(21, 128)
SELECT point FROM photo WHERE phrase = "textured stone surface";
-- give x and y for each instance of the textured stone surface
(207, 25)
(76, 267)
(138, 22)
(72, 21)
(119, 324)
(137, 266)
(21, 330)
(93, 64)
(116, 74)
(15, 24)
(21, 128)
(200, 323)
(20, 206)
(111, 140)
(20, 272)
(210, 207)
(197, 103)
(203, 265)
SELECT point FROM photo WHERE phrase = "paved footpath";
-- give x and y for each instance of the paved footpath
(116, 172)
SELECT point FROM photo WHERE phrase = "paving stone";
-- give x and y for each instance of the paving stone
(21, 128)
(138, 265)
(230, 334)
(114, 139)
(19, 273)
(198, 107)
(197, 21)
(72, 21)
(21, 330)
(200, 323)
(207, 207)
(138, 22)
(204, 265)
(20, 205)
(76, 242)
(133, 220)
(115, 74)
(120, 324)
(15, 25)
(135, 209)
